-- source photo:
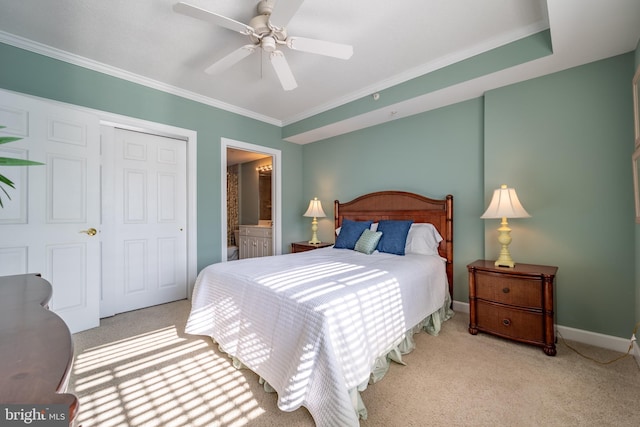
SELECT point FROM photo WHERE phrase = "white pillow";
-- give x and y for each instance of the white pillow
(374, 227)
(423, 239)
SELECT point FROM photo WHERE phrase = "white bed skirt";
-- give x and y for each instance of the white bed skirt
(406, 344)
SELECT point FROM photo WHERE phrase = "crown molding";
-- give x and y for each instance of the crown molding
(51, 52)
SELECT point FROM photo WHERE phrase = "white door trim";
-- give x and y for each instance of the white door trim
(276, 191)
(191, 139)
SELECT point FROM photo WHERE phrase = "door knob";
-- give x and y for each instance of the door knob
(91, 232)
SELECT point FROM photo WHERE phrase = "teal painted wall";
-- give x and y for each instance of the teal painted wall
(433, 154)
(37, 75)
(563, 142)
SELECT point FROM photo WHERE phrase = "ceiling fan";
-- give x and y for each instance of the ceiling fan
(267, 30)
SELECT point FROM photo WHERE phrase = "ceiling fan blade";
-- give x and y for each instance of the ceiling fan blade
(281, 66)
(283, 11)
(231, 59)
(205, 15)
(336, 50)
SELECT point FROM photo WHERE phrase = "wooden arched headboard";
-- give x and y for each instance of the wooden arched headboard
(399, 205)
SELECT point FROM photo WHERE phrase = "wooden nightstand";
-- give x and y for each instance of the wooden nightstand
(514, 303)
(306, 246)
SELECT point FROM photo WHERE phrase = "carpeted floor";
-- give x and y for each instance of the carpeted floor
(140, 369)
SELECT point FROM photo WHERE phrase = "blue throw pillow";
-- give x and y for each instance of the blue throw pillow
(350, 232)
(394, 236)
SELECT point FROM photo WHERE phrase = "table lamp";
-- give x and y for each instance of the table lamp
(315, 211)
(505, 204)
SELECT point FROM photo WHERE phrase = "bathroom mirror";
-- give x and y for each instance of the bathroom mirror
(264, 194)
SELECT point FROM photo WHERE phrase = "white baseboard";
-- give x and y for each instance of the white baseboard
(593, 338)
(462, 307)
(586, 337)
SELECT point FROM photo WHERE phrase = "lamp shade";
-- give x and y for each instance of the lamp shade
(315, 209)
(505, 204)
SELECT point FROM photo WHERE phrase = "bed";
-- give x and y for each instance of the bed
(319, 326)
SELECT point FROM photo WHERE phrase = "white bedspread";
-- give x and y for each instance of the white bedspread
(312, 323)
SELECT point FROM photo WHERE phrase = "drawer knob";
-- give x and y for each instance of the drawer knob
(505, 290)
(506, 322)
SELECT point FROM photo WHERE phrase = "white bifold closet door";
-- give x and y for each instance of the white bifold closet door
(144, 220)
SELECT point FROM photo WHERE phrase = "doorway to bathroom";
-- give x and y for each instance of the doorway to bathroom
(249, 207)
(250, 200)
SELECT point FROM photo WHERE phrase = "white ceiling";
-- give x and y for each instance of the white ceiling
(147, 42)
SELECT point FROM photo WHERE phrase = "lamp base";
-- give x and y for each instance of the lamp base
(314, 239)
(504, 238)
(504, 263)
(314, 228)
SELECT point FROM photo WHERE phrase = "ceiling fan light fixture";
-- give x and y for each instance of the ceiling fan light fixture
(268, 44)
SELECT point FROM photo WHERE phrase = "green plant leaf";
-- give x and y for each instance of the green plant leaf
(8, 161)
(7, 181)
(7, 139)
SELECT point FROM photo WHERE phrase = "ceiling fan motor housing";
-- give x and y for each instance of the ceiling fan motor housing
(265, 7)
(262, 28)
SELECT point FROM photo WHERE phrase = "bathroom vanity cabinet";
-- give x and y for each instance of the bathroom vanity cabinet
(255, 241)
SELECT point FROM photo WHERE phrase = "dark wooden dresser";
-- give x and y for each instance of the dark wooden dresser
(514, 303)
(36, 347)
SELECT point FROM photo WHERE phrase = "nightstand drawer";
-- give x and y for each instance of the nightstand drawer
(512, 290)
(510, 323)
